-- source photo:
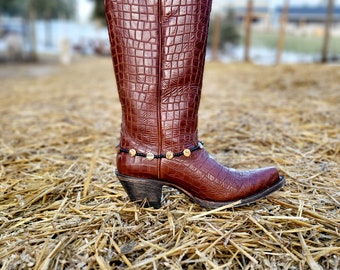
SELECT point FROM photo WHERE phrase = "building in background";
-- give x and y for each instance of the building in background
(266, 15)
(261, 11)
(310, 14)
(310, 20)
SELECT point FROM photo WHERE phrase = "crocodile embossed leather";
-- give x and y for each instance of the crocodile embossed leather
(158, 51)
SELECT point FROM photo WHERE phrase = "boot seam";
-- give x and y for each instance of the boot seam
(159, 82)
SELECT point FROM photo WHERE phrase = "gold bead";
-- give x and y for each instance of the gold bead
(186, 152)
(132, 152)
(150, 156)
(169, 155)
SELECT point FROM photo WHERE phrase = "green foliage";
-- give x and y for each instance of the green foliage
(44, 9)
(49, 9)
(13, 7)
(229, 29)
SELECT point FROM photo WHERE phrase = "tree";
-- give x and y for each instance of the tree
(99, 11)
(30, 10)
(223, 29)
(52, 9)
(21, 9)
(229, 31)
(12, 8)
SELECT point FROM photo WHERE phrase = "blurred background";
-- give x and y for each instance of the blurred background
(260, 31)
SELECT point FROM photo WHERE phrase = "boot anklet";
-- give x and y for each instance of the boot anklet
(168, 155)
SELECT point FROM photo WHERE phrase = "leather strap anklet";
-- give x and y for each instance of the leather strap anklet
(168, 155)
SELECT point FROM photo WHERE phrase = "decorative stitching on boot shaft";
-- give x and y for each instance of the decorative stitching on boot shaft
(168, 155)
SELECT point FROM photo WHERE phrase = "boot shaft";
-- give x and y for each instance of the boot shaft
(158, 52)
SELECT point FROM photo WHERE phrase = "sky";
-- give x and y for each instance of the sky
(85, 6)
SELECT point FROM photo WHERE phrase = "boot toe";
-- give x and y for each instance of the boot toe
(259, 183)
(265, 177)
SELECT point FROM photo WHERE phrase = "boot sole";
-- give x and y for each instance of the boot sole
(148, 192)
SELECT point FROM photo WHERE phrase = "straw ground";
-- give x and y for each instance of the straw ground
(61, 207)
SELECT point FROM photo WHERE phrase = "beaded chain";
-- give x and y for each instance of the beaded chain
(168, 155)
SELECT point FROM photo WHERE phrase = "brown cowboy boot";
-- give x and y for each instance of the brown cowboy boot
(158, 51)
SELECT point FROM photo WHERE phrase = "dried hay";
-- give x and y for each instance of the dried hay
(62, 207)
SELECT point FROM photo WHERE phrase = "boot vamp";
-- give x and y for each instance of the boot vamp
(203, 177)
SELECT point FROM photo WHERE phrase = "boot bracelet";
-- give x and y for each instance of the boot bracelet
(168, 155)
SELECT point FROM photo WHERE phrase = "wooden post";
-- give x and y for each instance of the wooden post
(33, 55)
(328, 25)
(282, 33)
(247, 24)
(216, 39)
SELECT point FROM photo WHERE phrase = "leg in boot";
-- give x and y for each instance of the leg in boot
(158, 51)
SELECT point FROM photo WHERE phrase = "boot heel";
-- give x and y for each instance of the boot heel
(142, 191)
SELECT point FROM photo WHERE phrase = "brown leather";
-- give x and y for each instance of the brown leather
(158, 52)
